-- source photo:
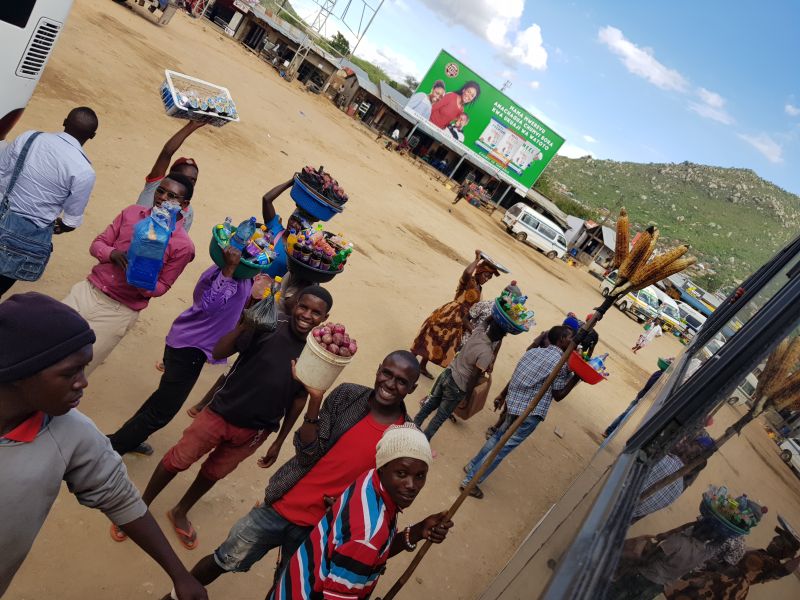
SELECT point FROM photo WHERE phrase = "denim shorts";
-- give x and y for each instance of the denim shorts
(255, 534)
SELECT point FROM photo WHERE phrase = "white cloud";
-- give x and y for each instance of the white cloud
(535, 85)
(641, 62)
(771, 149)
(791, 110)
(573, 151)
(396, 65)
(528, 48)
(507, 74)
(499, 24)
(711, 106)
(711, 98)
(589, 139)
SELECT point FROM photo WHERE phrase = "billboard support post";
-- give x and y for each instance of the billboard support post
(458, 164)
(503, 195)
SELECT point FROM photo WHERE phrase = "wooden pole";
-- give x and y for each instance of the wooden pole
(734, 429)
(585, 328)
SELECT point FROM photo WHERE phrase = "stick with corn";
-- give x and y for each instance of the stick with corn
(622, 248)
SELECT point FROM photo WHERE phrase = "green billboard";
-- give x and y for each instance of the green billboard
(475, 114)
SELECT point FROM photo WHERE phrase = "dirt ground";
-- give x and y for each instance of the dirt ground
(411, 247)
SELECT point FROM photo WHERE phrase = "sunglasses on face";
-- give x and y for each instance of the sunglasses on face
(169, 195)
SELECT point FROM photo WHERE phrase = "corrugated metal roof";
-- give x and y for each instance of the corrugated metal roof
(293, 33)
(364, 81)
(537, 198)
(394, 99)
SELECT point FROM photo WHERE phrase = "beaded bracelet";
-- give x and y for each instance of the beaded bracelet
(407, 536)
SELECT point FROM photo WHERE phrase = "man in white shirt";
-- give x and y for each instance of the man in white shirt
(396, 134)
(45, 183)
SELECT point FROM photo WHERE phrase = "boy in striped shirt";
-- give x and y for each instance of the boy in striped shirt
(345, 554)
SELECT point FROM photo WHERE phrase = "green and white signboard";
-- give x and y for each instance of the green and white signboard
(464, 106)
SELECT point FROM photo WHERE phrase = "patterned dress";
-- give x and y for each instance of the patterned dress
(440, 335)
(728, 582)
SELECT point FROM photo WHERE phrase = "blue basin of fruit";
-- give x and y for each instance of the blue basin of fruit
(311, 202)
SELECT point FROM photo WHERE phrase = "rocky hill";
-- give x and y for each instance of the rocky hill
(733, 219)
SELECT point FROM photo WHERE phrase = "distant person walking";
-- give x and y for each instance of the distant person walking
(652, 330)
(45, 183)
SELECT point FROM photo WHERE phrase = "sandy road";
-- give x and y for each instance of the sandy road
(411, 246)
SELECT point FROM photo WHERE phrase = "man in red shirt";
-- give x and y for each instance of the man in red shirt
(334, 446)
(105, 298)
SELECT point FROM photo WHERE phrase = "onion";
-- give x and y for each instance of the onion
(317, 332)
(353, 347)
(327, 330)
(345, 352)
(327, 338)
(338, 339)
(333, 349)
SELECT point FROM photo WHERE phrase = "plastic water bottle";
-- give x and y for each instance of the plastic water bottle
(243, 233)
(146, 253)
(598, 363)
(227, 225)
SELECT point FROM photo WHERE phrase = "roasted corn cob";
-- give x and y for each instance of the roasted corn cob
(646, 271)
(639, 254)
(670, 269)
(623, 239)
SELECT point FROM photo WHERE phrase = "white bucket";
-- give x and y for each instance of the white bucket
(317, 368)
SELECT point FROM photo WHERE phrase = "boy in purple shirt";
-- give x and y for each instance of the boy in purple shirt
(218, 303)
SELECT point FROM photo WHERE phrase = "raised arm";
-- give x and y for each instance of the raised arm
(226, 346)
(267, 200)
(470, 270)
(161, 166)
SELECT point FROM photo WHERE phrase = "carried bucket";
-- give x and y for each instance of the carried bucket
(317, 368)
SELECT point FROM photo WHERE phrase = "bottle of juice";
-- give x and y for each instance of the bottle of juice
(291, 240)
(243, 233)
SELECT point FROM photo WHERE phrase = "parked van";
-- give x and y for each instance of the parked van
(744, 391)
(694, 320)
(790, 453)
(535, 229)
(642, 304)
(668, 311)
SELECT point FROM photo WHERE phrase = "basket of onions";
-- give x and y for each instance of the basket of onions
(329, 349)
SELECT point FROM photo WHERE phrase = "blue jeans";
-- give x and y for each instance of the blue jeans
(255, 534)
(527, 427)
(24, 247)
(444, 399)
(618, 421)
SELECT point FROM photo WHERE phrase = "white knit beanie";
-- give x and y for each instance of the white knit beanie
(403, 441)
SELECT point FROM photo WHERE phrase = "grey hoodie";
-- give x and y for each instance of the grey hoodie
(68, 448)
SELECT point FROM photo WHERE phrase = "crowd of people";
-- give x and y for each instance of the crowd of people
(359, 457)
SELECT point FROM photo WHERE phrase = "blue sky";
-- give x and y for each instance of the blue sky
(711, 82)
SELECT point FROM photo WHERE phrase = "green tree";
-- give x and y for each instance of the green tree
(340, 44)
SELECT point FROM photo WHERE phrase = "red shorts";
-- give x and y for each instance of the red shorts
(229, 445)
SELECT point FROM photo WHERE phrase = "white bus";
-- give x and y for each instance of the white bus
(28, 32)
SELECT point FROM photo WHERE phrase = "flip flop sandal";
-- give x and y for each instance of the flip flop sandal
(117, 534)
(188, 539)
(192, 412)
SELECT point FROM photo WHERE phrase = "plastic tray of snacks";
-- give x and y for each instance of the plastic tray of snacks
(187, 97)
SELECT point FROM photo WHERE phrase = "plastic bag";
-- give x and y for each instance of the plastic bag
(263, 315)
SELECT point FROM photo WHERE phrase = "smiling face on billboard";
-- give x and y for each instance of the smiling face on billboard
(490, 125)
